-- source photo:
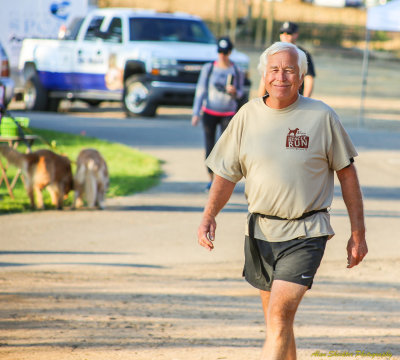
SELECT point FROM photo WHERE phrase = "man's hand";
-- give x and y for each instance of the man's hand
(351, 191)
(206, 232)
(356, 249)
(220, 192)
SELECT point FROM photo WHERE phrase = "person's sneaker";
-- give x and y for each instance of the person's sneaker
(208, 186)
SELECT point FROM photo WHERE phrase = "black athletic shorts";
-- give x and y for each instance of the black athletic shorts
(295, 261)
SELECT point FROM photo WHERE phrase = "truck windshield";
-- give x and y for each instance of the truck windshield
(156, 29)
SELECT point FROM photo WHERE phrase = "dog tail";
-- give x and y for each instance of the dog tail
(13, 156)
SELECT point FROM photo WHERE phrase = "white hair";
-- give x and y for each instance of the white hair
(279, 47)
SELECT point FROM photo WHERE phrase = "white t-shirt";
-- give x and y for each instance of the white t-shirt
(288, 158)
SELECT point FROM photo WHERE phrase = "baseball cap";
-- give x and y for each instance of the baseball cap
(224, 45)
(289, 27)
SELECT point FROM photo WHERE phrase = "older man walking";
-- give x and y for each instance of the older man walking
(288, 148)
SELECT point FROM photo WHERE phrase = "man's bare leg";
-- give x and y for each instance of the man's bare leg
(280, 306)
(291, 352)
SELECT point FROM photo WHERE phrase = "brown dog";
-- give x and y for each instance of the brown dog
(91, 179)
(42, 169)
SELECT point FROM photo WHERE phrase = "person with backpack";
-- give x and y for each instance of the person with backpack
(220, 85)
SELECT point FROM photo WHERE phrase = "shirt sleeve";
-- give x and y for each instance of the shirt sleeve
(342, 150)
(201, 89)
(224, 159)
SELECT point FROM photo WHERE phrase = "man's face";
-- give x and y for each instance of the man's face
(289, 37)
(282, 80)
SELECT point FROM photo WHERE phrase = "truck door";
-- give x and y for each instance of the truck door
(113, 39)
(91, 58)
(56, 65)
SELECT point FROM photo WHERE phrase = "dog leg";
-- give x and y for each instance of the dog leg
(100, 197)
(53, 195)
(60, 196)
(102, 186)
(79, 185)
(30, 192)
(90, 189)
(39, 197)
(31, 196)
(56, 195)
(78, 201)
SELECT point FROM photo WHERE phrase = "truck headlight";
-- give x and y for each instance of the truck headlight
(164, 67)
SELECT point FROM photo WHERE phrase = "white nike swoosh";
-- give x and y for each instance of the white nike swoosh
(305, 277)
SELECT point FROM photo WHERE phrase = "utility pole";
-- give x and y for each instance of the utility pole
(259, 27)
(270, 23)
(217, 18)
(234, 21)
(225, 18)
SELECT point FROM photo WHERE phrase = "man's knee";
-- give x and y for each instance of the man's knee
(284, 300)
(280, 315)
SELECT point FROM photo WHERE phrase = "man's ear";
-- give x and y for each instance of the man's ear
(302, 79)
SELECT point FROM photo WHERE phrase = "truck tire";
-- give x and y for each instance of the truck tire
(137, 97)
(35, 96)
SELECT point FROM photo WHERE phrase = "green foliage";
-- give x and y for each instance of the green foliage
(130, 170)
(380, 36)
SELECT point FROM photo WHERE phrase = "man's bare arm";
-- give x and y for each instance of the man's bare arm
(220, 192)
(357, 246)
(308, 85)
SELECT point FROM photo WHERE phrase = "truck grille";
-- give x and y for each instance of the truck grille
(188, 71)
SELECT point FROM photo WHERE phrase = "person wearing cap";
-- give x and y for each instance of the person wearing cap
(289, 32)
(219, 85)
(288, 148)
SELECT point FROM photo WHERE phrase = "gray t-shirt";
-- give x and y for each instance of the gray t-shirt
(288, 157)
(214, 97)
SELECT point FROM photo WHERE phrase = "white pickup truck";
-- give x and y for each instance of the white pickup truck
(140, 57)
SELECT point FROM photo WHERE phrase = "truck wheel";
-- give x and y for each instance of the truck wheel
(35, 96)
(137, 97)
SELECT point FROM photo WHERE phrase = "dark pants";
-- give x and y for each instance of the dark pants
(210, 124)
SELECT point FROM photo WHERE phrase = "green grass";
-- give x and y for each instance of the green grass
(130, 170)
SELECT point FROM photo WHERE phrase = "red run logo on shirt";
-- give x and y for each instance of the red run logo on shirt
(296, 139)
